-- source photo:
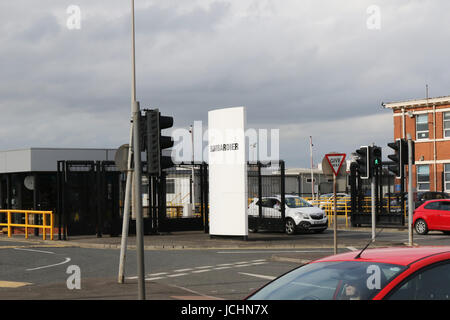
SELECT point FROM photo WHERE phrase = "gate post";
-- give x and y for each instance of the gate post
(260, 215)
(282, 187)
(206, 185)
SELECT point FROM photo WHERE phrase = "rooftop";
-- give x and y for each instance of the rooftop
(417, 103)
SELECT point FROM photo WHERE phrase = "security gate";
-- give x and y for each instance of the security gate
(87, 198)
(178, 200)
(263, 188)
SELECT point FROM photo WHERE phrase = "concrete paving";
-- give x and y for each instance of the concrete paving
(201, 240)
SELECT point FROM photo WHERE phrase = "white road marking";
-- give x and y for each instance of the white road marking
(183, 270)
(242, 265)
(176, 275)
(276, 251)
(49, 266)
(199, 271)
(155, 278)
(33, 250)
(352, 249)
(258, 275)
(258, 263)
(259, 260)
(157, 274)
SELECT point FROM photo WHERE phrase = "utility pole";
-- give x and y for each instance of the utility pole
(312, 165)
(126, 212)
(410, 193)
(192, 170)
(372, 194)
(136, 113)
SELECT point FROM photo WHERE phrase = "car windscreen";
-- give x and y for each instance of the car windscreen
(342, 280)
(296, 202)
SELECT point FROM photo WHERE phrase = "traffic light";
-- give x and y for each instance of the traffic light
(397, 158)
(405, 151)
(143, 131)
(156, 142)
(376, 157)
(363, 162)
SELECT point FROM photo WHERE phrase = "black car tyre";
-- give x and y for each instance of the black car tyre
(290, 226)
(421, 226)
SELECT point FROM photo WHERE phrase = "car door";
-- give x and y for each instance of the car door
(430, 283)
(444, 218)
(268, 210)
(432, 215)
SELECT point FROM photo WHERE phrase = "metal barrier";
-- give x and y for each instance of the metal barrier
(44, 226)
(343, 206)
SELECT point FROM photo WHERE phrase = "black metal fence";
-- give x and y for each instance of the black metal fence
(389, 204)
(266, 190)
(178, 200)
(87, 198)
(90, 198)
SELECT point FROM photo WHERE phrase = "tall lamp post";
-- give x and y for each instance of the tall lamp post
(137, 181)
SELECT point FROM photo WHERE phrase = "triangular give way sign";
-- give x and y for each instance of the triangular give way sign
(335, 160)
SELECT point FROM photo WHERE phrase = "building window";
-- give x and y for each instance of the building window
(170, 186)
(422, 126)
(446, 124)
(423, 177)
(447, 176)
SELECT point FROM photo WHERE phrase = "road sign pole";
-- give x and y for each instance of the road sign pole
(333, 165)
(335, 215)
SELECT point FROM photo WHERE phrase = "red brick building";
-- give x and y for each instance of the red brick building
(428, 123)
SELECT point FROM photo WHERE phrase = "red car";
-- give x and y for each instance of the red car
(398, 273)
(432, 215)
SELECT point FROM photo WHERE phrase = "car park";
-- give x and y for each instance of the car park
(300, 215)
(433, 215)
(419, 198)
(429, 195)
(343, 202)
(392, 273)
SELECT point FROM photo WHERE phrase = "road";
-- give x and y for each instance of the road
(40, 272)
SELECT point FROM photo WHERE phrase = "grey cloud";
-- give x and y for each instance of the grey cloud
(320, 67)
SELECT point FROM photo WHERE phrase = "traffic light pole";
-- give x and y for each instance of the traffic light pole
(410, 193)
(372, 192)
(137, 182)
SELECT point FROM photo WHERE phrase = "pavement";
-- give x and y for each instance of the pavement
(200, 240)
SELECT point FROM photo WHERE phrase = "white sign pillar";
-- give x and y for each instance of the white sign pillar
(228, 193)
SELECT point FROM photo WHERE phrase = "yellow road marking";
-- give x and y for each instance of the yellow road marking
(12, 284)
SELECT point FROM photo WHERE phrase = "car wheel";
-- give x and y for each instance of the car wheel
(446, 232)
(290, 226)
(421, 226)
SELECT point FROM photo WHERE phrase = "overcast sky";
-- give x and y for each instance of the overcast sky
(308, 68)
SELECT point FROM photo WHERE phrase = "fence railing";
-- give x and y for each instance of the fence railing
(343, 206)
(47, 217)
